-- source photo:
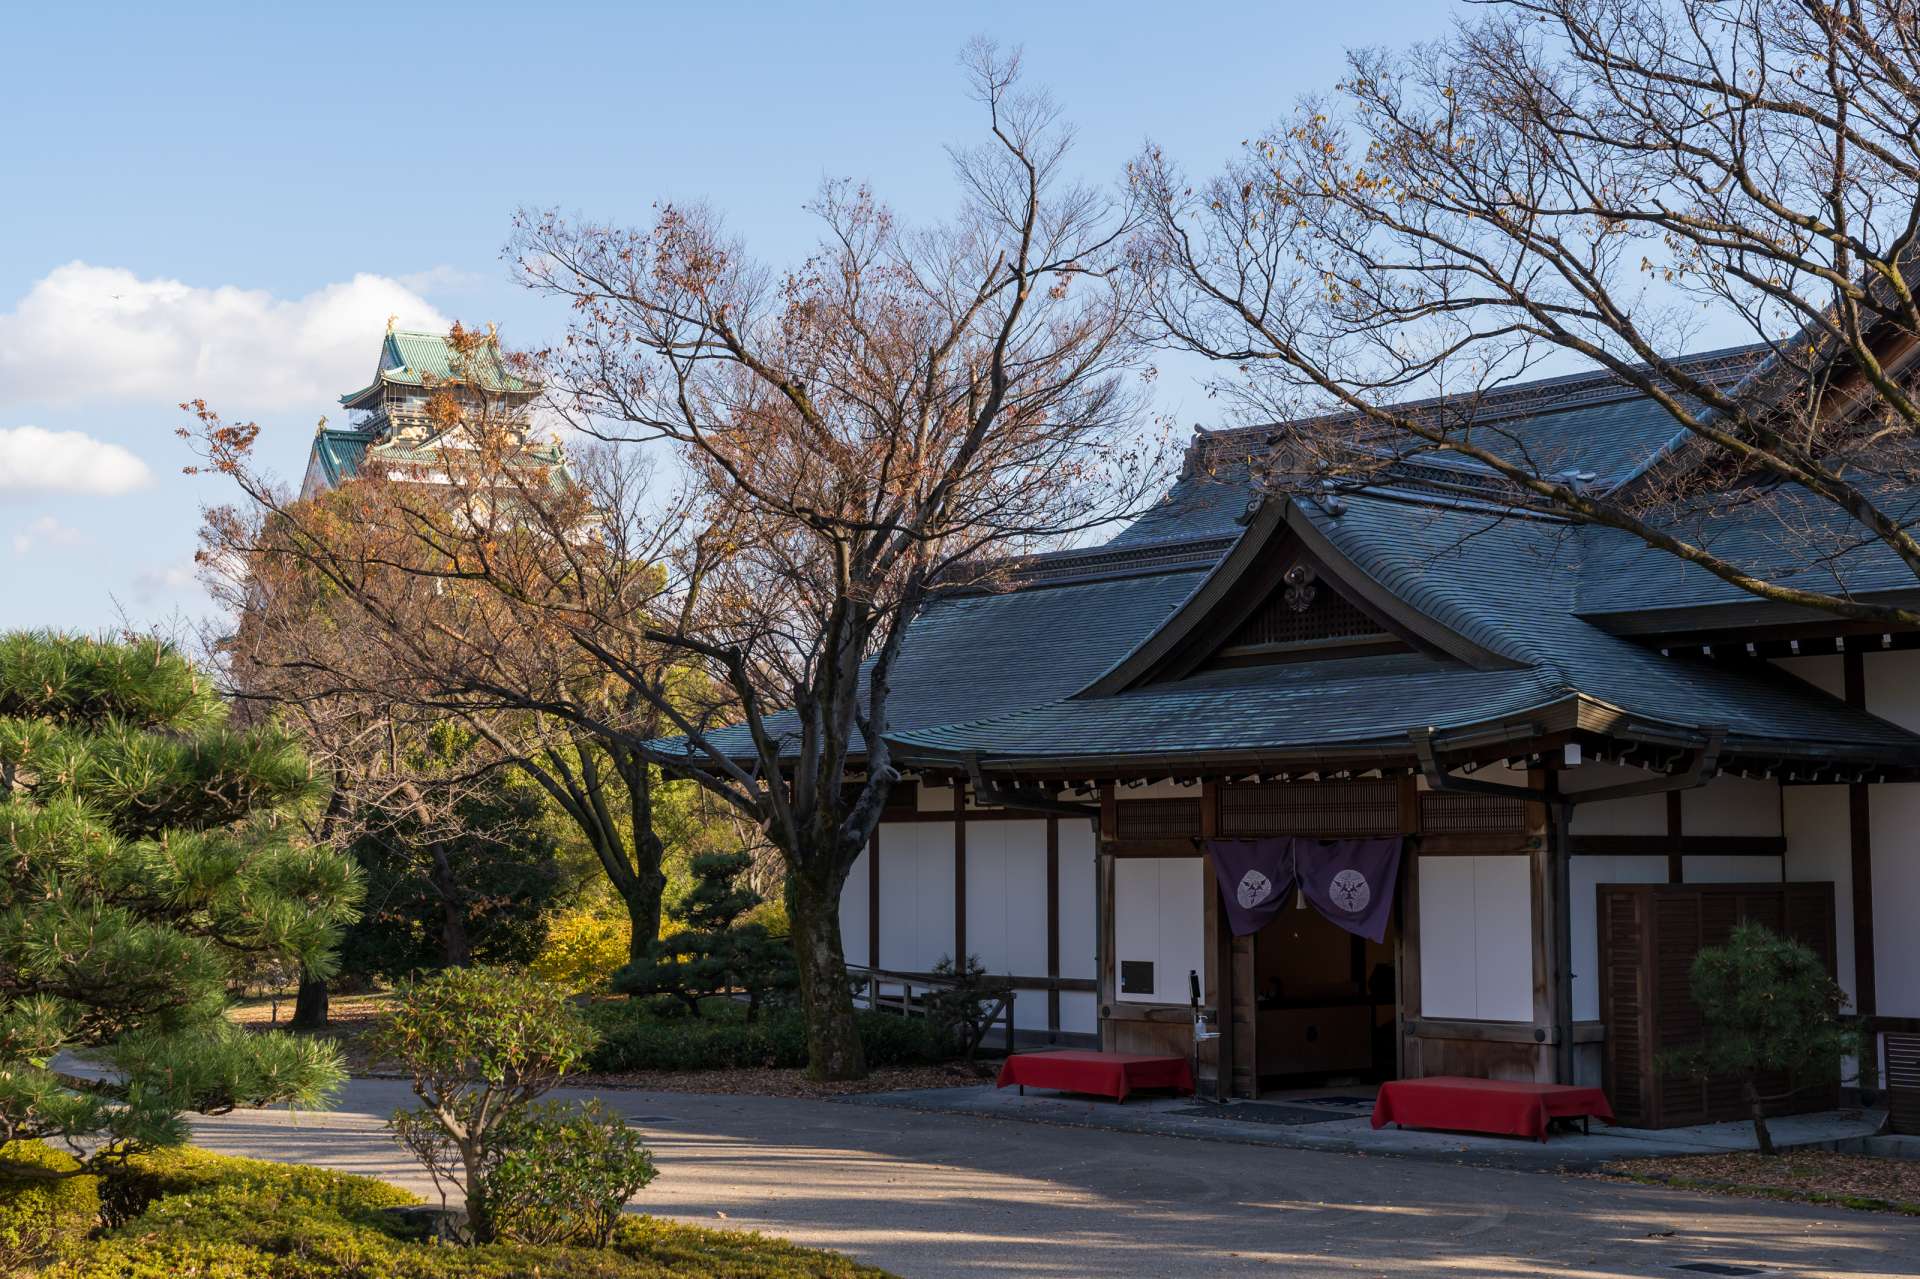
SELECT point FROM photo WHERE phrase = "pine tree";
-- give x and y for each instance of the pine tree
(715, 953)
(151, 857)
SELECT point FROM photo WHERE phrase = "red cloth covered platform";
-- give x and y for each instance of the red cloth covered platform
(1501, 1106)
(1105, 1074)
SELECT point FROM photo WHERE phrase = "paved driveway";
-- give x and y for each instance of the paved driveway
(937, 1196)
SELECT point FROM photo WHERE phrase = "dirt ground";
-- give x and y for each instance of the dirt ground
(1808, 1176)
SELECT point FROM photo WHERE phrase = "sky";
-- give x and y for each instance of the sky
(229, 201)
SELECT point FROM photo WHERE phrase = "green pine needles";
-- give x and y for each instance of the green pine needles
(150, 852)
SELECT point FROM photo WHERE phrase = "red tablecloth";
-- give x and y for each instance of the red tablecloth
(1107, 1074)
(1459, 1104)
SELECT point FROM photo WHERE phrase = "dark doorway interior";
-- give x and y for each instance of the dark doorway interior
(1324, 1002)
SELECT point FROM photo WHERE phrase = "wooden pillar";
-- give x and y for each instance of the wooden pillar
(1103, 913)
(1860, 827)
(1676, 829)
(959, 875)
(1223, 973)
(1053, 926)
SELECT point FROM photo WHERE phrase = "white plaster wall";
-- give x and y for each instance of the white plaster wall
(1820, 847)
(1893, 692)
(1007, 905)
(853, 910)
(1588, 873)
(1159, 916)
(916, 895)
(1895, 823)
(1476, 938)
(1079, 916)
(1079, 1012)
(933, 799)
(1715, 869)
(1641, 815)
(1735, 806)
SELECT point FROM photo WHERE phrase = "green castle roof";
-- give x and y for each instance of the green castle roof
(409, 358)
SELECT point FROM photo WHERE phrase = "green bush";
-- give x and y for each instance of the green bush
(128, 1189)
(244, 1219)
(634, 1038)
(40, 1218)
(567, 1173)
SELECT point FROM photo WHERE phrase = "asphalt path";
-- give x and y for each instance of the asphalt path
(941, 1196)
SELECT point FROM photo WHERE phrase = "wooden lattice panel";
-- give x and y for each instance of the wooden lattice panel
(1903, 1081)
(1156, 818)
(1327, 616)
(1447, 813)
(1311, 808)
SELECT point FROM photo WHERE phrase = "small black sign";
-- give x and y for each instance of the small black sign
(1136, 976)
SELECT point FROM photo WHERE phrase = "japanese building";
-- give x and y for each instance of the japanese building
(1596, 755)
(402, 423)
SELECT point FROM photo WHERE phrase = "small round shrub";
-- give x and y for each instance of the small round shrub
(41, 1218)
(566, 1173)
(583, 948)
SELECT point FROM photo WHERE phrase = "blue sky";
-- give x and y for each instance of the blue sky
(228, 201)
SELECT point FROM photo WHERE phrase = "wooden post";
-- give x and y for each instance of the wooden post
(1860, 828)
(959, 875)
(1676, 830)
(1223, 974)
(1053, 926)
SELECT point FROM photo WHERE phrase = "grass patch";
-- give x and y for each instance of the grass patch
(1868, 1183)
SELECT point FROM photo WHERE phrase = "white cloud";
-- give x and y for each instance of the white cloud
(33, 458)
(88, 334)
(46, 531)
(152, 585)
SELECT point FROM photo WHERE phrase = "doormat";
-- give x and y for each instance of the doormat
(1262, 1112)
(1360, 1103)
(1719, 1268)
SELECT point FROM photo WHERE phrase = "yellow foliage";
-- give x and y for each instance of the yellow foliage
(583, 948)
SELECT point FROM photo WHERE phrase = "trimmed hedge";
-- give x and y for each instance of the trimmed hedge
(129, 1189)
(634, 1038)
(41, 1218)
(248, 1219)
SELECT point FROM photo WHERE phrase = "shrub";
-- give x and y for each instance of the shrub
(716, 952)
(40, 1217)
(128, 1189)
(1769, 1006)
(632, 1038)
(966, 1010)
(566, 1173)
(479, 1044)
(583, 949)
(246, 1219)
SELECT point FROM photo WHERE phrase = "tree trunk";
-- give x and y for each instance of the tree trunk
(826, 1001)
(642, 895)
(456, 946)
(1760, 1133)
(310, 1005)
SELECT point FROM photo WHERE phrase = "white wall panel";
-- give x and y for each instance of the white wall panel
(1640, 815)
(1476, 938)
(1895, 813)
(1007, 895)
(1711, 869)
(1448, 964)
(1079, 916)
(1503, 936)
(1159, 918)
(1587, 875)
(853, 909)
(916, 896)
(1820, 847)
(1079, 1012)
(1736, 806)
(1893, 686)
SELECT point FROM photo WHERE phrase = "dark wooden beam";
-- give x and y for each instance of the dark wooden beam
(960, 876)
(1223, 974)
(1860, 828)
(1676, 861)
(1053, 923)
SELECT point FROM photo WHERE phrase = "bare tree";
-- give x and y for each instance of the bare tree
(1580, 181)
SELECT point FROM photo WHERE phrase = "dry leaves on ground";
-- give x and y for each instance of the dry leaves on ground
(1818, 1176)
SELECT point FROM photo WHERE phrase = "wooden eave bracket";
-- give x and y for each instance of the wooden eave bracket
(1702, 766)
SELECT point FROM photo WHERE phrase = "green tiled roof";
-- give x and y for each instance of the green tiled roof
(425, 359)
